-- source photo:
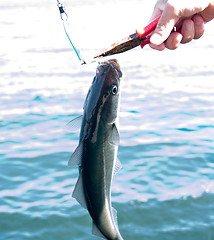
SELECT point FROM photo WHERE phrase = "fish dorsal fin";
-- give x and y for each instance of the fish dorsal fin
(96, 231)
(75, 124)
(78, 192)
(76, 157)
(117, 167)
(114, 137)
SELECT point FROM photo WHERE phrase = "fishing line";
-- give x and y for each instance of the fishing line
(66, 26)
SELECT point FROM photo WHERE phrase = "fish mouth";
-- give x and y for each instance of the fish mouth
(115, 62)
(115, 65)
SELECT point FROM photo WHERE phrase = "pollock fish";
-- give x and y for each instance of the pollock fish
(96, 154)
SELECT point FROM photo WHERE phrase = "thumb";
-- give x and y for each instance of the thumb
(164, 27)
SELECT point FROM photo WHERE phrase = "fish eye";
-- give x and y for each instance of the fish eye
(114, 89)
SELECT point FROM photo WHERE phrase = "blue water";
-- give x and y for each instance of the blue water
(165, 190)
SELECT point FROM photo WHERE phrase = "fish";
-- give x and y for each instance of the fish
(96, 154)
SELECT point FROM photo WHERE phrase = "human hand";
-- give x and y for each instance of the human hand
(188, 16)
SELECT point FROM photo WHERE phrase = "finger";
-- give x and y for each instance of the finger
(187, 30)
(160, 47)
(207, 14)
(199, 26)
(173, 40)
(165, 25)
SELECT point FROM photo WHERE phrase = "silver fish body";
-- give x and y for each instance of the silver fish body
(96, 154)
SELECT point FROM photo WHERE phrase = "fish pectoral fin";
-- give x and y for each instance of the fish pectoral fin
(76, 157)
(96, 231)
(117, 167)
(114, 212)
(114, 137)
(75, 124)
(78, 192)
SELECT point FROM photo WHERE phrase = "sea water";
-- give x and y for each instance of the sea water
(165, 190)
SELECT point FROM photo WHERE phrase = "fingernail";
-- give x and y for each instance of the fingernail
(156, 39)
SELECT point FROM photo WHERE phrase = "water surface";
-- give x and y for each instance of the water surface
(165, 190)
